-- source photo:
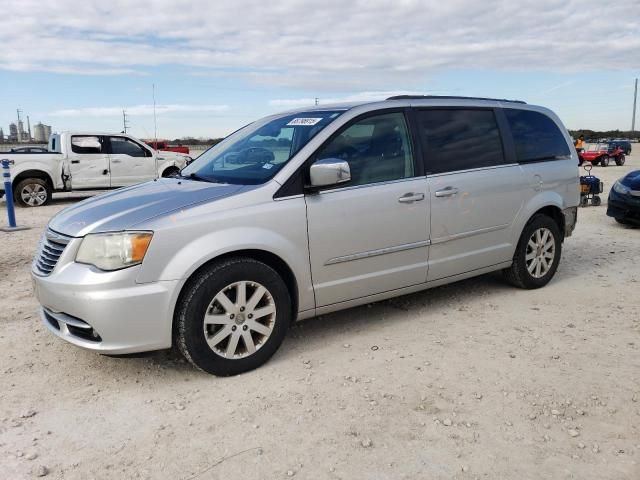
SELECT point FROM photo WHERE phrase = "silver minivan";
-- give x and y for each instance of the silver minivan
(307, 212)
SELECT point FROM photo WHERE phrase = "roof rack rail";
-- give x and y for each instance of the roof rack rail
(449, 97)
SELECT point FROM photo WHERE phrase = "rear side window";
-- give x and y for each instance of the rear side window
(536, 136)
(460, 139)
(86, 144)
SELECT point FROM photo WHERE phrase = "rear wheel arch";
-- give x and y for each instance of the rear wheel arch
(554, 213)
(41, 174)
(170, 170)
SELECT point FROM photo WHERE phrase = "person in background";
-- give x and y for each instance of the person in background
(580, 143)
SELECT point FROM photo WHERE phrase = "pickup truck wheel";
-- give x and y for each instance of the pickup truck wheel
(620, 160)
(32, 192)
(232, 316)
(604, 161)
(537, 255)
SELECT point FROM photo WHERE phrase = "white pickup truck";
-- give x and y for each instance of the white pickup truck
(87, 161)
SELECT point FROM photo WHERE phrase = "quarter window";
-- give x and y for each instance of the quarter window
(124, 146)
(536, 136)
(377, 148)
(459, 139)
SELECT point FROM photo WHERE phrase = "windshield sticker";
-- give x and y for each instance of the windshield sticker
(306, 122)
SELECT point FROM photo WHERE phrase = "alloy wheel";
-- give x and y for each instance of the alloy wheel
(540, 254)
(33, 194)
(239, 320)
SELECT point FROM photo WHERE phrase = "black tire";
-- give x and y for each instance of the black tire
(620, 159)
(198, 294)
(43, 188)
(596, 201)
(584, 201)
(604, 161)
(518, 274)
(170, 172)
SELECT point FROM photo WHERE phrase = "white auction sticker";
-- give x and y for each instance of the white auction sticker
(304, 121)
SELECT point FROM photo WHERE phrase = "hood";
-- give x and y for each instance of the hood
(631, 180)
(127, 207)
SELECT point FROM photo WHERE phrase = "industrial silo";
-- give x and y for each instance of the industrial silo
(39, 133)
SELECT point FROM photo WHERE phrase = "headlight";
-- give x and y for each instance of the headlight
(620, 188)
(113, 251)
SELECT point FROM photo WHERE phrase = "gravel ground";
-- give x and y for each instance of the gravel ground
(472, 380)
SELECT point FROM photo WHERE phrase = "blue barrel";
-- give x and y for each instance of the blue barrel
(8, 190)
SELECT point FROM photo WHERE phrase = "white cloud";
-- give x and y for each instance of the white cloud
(359, 44)
(140, 110)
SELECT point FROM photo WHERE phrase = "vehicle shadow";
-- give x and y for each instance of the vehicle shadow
(61, 200)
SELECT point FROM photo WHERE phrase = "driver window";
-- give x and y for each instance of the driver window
(377, 148)
(124, 146)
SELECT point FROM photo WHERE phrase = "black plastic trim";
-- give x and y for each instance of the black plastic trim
(451, 97)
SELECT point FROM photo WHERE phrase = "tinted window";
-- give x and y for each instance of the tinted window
(86, 144)
(124, 146)
(536, 136)
(460, 139)
(377, 148)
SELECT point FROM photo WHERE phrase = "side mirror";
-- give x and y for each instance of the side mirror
(329, 171)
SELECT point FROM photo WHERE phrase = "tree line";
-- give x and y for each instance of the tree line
(628, 134)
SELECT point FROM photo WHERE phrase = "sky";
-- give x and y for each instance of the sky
(76, 64)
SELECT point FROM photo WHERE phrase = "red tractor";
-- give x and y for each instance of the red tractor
(601, 154)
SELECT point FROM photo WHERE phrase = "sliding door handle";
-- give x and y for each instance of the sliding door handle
(447, 192)
(411, 197)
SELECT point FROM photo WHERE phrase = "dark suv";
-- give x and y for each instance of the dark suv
(623, 144)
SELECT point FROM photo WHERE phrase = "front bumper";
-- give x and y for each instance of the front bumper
(107, 312)
(623, 207)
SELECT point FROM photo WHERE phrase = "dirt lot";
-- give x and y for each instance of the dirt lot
(472, 380)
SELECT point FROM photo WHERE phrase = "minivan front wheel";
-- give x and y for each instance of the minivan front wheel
(537, 255)
(232, 316)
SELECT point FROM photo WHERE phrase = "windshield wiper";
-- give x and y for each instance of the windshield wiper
(199, 178)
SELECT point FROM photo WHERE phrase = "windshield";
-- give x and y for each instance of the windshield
(255, 153)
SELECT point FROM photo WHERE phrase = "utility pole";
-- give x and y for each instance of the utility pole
(125, 123)
(29, 127)
(316, 100)
(635, 99)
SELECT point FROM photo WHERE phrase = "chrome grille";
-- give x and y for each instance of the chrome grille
(51, 247)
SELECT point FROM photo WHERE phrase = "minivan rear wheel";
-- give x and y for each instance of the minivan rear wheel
(232, 316)
(537, 255)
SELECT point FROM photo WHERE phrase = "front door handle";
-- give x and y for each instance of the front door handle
(75, 161)
(411, 197)
(447, 192)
